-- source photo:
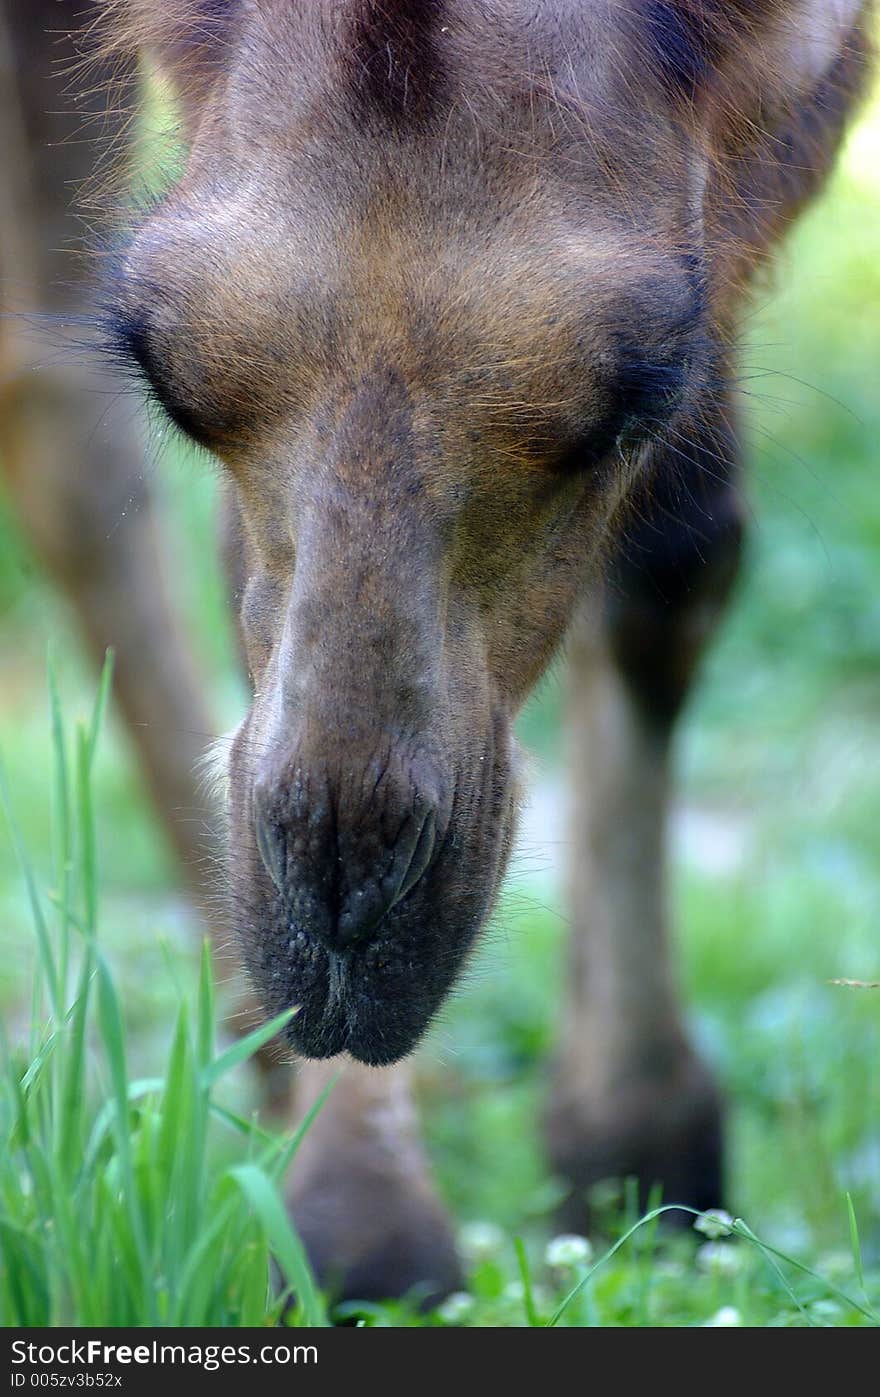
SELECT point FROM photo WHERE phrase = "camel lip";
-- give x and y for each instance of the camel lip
(370, 1037)
(321, 1037)
(373, 1001)
(375, 998)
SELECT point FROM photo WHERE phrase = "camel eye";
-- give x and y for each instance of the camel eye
(642, 399)
(650, 390)
(133, 346)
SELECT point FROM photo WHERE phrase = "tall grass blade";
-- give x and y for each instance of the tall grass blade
(244, 1048)
(742, 1230)
(522, 1259)
(286, 1246)
(99, 710)
(205, 1038)
(88, 852)
(288, 1152)
(44, 945)
(855, 1243)
(62, 828)
(73, 1082)
(612, 1251)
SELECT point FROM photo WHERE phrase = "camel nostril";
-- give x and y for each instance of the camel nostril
(273, 850)
(338, 876)
(421, 858)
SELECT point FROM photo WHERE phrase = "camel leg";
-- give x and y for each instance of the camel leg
(630, 1096)
(361, 1193)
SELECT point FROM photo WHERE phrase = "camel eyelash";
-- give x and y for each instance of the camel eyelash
(127, 341)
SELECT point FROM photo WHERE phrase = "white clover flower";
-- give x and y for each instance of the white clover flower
(565, 1252)
(714, 1224)
(480, 1241)
(828, 1312)
(728, 1317)
(721, 1258)
(836, 1265)
(456, 1307)
(515, 1290)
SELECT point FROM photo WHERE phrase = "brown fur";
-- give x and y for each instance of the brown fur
(435, 358)
(451, 291)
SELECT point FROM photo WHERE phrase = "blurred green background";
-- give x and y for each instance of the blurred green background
(776, 833)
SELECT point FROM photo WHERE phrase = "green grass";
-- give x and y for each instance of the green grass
(776, 867)
(114, 1208)
(118, 1207)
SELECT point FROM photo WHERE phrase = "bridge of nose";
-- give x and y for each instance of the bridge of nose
(351, 716)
